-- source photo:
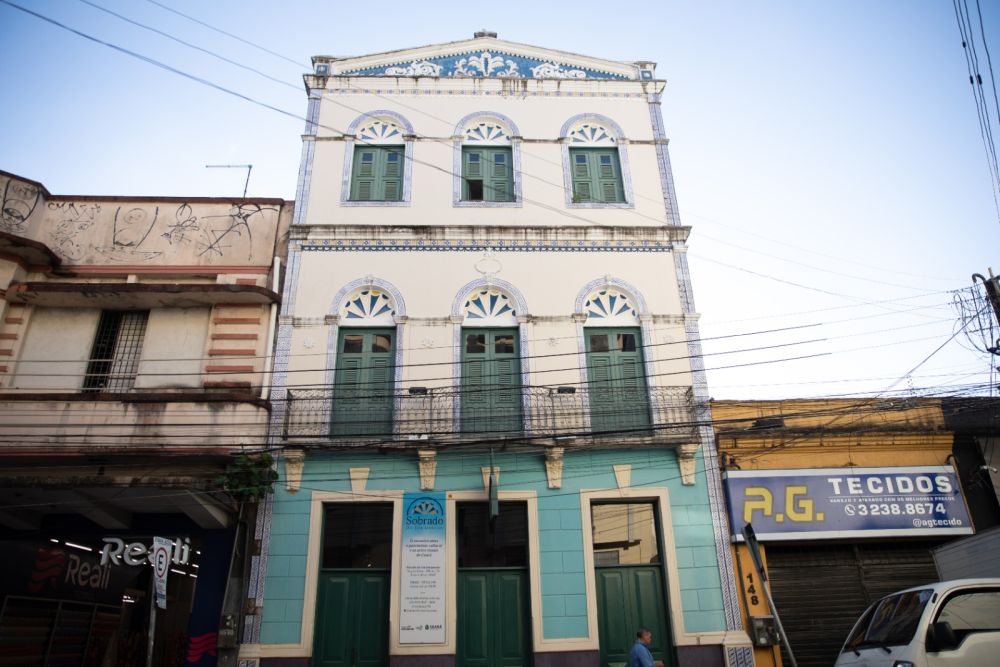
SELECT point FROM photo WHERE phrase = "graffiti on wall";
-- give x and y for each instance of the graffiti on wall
(90, 232)
(19, 201)
(131, 228)
(71, 228)
(231, 234)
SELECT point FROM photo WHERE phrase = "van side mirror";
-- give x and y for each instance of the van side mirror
(941, 637)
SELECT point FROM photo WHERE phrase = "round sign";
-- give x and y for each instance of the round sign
(161, 560)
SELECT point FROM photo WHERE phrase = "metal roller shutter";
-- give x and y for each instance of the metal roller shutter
(820, 590)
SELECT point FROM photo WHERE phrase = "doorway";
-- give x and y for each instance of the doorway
(628, 571)
(494, 619)
(352, 607)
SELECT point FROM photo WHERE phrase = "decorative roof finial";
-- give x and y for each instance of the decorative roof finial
(484, 33)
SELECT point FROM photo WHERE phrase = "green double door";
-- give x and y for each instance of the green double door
(352, 615)
(493, 613)
(363, 383)
(630, 597)
(616, 382)
(491, 398)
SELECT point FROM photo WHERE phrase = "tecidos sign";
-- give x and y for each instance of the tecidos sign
(117, 552)
(830, 503)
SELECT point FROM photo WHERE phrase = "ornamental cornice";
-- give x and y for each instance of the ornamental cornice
(508, 238)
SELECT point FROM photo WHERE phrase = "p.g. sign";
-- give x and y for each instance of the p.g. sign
(830, 503)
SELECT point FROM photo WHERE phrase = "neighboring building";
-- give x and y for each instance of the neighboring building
(134, 338)
(486, 265)
(847, 497)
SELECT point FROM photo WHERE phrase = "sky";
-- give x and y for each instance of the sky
(827, 155)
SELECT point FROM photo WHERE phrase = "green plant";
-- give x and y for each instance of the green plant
(249, 477)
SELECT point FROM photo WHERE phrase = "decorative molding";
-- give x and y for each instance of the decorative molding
(610, 281)
(491, 63)
(481, 92)
(623, 475)
(427, 461)
(486, 476)
(686, 460)
(489, 307)
(380, 132)
(367, 306)
(582, 119)
(554, 466)
(295, 460)
(473, 245)
(592, 134)
(359, 479)
(609, 306)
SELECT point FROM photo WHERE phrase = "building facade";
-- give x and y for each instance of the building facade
(848, 498)
(134, 364)
(489, 394)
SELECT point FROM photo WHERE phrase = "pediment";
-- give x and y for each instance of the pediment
(485, 57)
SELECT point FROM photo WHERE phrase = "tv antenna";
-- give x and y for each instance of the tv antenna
(248, 167)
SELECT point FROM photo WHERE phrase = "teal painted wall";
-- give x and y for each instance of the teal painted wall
(564, 605)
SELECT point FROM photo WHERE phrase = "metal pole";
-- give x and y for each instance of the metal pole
(777, 619)
(248, 167)
(754, 549)
(152, 618)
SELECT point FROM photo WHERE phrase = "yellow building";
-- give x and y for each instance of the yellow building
(847, 498)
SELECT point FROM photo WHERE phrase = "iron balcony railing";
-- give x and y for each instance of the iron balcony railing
(438, 413)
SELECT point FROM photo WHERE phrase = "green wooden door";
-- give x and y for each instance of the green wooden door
(494, 627)
(630, 597)
(491, 381)
(616, 374)
(352, 619)
(363, 382)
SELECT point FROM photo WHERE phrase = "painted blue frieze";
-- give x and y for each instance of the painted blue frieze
(487, 64)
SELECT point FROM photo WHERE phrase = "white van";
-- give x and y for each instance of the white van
(949, 623)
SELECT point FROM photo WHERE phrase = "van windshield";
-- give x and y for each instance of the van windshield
(890, 622)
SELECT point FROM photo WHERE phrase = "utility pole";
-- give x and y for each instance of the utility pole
(992, 286)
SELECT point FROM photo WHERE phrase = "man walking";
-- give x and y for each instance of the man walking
(640, 656)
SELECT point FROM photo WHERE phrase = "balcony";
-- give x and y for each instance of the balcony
(660, 415)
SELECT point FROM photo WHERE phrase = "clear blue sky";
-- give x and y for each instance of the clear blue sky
(830, 144)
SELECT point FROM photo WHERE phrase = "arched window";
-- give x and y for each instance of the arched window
(595, 164)
(487, 161)
(378, 156)
(365, 360)
(491, 398)
(616, 368)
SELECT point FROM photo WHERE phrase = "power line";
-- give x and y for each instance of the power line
(227, 34)
(252, 100)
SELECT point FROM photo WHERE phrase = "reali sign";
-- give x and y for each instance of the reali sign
(116, 552)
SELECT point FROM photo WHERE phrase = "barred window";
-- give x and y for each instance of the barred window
(114, 359)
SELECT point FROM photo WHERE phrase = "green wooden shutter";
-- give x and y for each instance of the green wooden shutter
(619, 401)
(501, 183)
(363, 383)
(363, 178)
(377, 173)
(609, 175)
(392, 175)
(596, 175)
(491, 382)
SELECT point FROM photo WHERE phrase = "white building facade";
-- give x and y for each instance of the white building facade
(487, 319)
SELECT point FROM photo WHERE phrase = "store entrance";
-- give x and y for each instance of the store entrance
(494, 619)
(629, 575)
(352, 610)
